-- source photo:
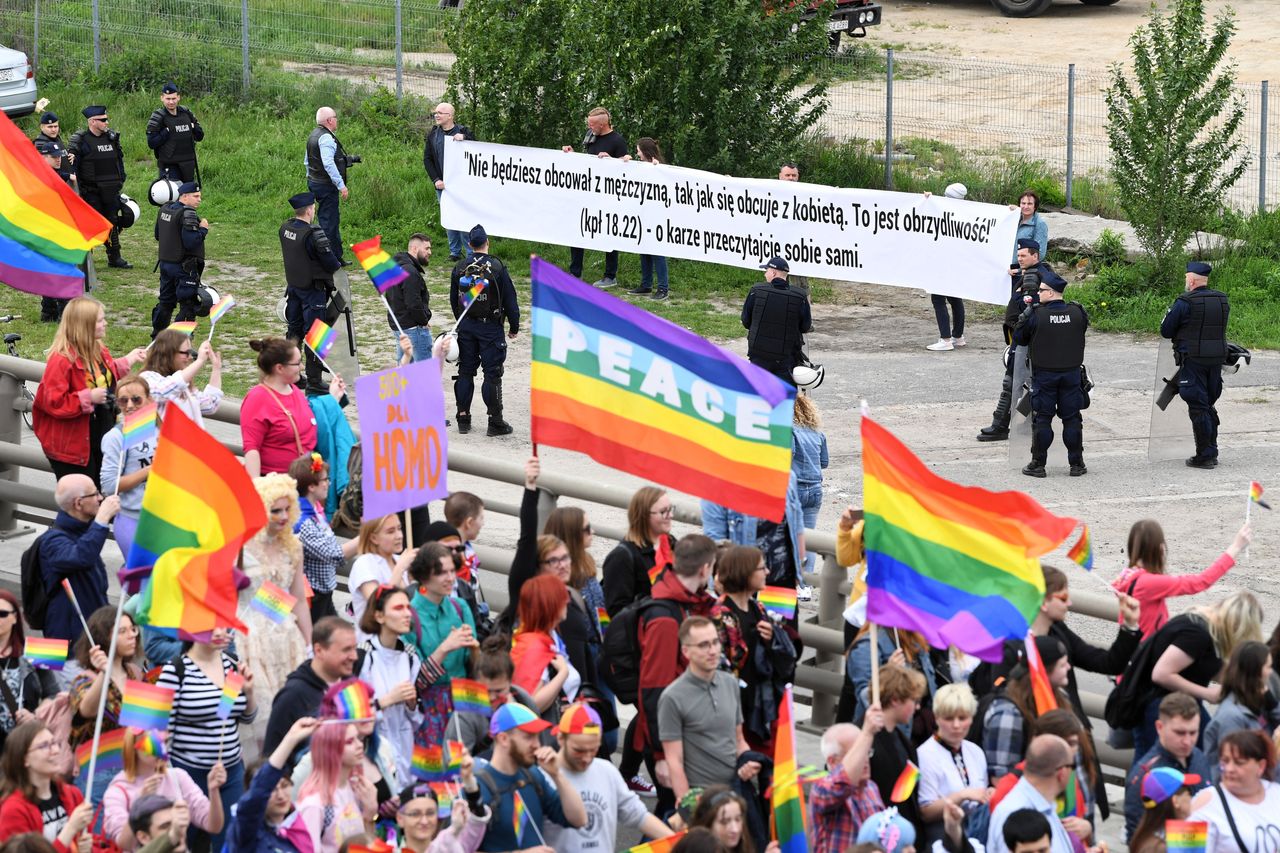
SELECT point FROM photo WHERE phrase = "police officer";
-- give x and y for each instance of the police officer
(1197, 323)
(327, 164)
(480, 340)
(309, 264)
(50, 131)
(180, 232)
(1024, 293)
(1054, 331)
(172, 132)
(99, 162)
(776, 317)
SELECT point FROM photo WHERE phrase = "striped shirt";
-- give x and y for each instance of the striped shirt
(195, 731)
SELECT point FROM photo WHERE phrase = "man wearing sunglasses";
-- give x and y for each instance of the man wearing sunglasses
(99, 162)
(72, 550)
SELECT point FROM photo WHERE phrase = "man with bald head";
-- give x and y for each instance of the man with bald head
(839, 803)
(1050, 761)
(327, 164)
(72, 550)
(433, 161)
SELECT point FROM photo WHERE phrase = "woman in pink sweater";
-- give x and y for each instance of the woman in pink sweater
(1145, 579)
(144, 774)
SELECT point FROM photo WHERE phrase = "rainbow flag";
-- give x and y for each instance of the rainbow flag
(273, 602)
(187, 327)
(787, 796)
(151, 743)
(469, 287)
(145, 706)
(199, 508)
(354, 702)
(1082, 552)
(662, 557)
(455, 749)
(905, 786)
(778, 599)
(639, 393)
(1041, 688)
(1071, 803)
(470, 697)
(110, 752)
(428, 763)
(384, 272)
(661, 845)
(46, 652)
(321, 338)
(444, 796)
(957, 563)
(140, 426)
(602, 616)
(224, 305)
(232, 685)
(1255, 495)
(1186, 836)
(519, 816)
(45, 228)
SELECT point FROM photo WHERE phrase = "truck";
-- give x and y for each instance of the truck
(849, 18)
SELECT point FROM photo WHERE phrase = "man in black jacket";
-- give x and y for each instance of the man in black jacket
(433, 161)
(99, 160)
(409, 298)
(333, 659)
(172, 132)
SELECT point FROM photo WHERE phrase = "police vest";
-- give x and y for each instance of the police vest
(488, 305)
(315, 166)
(775, 323)
(1058, 342)
(98, 158)
(1203, 334)
(301, 270)
(169, 224)
(180, 145)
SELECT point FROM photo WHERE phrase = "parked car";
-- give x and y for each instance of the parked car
(17, 83)
(1031, 8)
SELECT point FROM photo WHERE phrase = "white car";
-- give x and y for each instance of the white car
(17, 83)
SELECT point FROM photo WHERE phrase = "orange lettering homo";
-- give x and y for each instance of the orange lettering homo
(407, 459)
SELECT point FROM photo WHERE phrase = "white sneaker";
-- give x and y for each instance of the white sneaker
(804, 593)
(943, 345)
(958, 342)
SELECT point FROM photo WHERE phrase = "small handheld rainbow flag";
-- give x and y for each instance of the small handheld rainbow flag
(662, 557)
(778, 599)
(1255, 495)
(1072, 803)
(660, 845)
(383, 272)
(46, 652)
(187, 327)
(151, 743)
(444, 795)
(1186, 836)
(428, 763)
(321, 338)
(455, 748)
(110, 752)
(470, 697)
(224, 305)
(231, 687)
(469, 287)
(1082, 552)
(603, 616)
(353, 702)
(906, 784)
(273, 602)
(145, 706)
(1041, 688)
(139, 426)
(519, 816)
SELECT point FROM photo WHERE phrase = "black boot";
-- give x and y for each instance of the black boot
(999, 429)
(497, 426)
(113, 251)
(464, 423)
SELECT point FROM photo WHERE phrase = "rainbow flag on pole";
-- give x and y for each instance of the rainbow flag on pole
(46, 652)
(1186, 836)
(139, 426)
(45, 228)
(187, 327)
(224, 305)
(519, 816)
(787, 797)
(428, 763)
(321, 337)
(145, 706)
(640, 394)
(778, 599)
(273, 602)
(957, 563)
(470, 697)
(1255, 494)
(232, 685)
(469, 287)
(905, 785)
(110, 751)
(660, 845)
(1082, 552)
(383, 271)
(1041, 688)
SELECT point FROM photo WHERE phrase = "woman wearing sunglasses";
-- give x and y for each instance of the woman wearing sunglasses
(125, 470)
(172, 364)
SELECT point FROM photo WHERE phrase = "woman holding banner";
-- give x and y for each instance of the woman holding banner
(172, 364)
(86, 689)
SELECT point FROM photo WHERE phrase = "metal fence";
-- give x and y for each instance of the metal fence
(992, 112)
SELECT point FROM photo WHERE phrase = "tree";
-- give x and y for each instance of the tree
(726, 85)
(1173, 129)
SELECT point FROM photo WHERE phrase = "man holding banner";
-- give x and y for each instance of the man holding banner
(482, 295)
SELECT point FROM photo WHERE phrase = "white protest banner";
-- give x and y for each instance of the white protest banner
(948, 246)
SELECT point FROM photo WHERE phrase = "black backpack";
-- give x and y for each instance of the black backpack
(346, 520)
(620, 652)
(35, 596)
(1127, 702)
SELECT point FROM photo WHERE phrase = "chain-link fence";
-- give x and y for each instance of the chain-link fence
(267, 49)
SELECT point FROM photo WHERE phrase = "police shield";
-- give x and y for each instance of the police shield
(1171, 436)
(1020, 426)
(343, 357)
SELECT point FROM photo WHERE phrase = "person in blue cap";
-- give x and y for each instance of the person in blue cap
(481, 343)
(1054, 332)
(1197, 324)
(309, 264)
(1031, 270)
(99, 161)
(172, 132)
(180, 232)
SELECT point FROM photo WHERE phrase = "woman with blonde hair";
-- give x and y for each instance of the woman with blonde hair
(125, 470)
(382, 561)
(75, 401)
(808, 458)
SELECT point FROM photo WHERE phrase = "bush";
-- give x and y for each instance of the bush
(198, 69)
(1108, 249)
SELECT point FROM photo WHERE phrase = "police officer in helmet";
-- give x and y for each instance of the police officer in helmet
(480, 340)
(776, 317)
(99, 161)
(180, 232)
(1197, 323)
(1054, 332)
(172, 132)
(309, 264)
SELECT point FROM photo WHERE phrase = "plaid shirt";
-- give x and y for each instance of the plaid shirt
(321, 551)
(837, 809)
(1003, 737)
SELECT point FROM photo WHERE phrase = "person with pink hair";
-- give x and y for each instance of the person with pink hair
(336, 802)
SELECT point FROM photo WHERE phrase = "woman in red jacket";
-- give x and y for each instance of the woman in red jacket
(34, 798)
(75, 403)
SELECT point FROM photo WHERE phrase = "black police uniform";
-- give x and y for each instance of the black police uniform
(328, 214)
(99, 165)
(309, 264)
(1197, 323)
(1055, 333)
(65, 168)
(181, 240)
(481, 342)
(776, 317)
(173, 136)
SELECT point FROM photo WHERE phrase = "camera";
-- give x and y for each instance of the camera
(352, 159)
(107, 406)
(1030, 282)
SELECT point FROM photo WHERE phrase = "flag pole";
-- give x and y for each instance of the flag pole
(875, 663)
(391, 313)
(106, 688)
(533, 823)
(332, 372)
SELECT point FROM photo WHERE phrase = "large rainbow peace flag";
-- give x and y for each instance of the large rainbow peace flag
(957, 563)
(45, 228)
(638, 393)
(199, 508)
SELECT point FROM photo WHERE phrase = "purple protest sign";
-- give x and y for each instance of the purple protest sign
(405, 444)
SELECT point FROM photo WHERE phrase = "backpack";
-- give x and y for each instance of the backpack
(620, 651)
(1127, 702)
(346, 520)
(35, 595)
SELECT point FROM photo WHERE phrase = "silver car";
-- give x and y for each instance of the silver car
(17, 83)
